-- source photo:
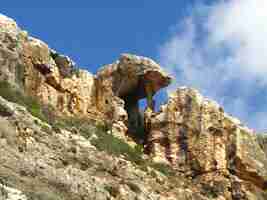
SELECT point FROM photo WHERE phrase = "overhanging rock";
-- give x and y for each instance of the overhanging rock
(130, 74)
(132, 78)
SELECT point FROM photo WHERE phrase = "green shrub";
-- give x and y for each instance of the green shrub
(104, 141)
(113, 191)
(163, 168)
(14, 95)
(82, 126)
(4, 111)
(9, 93)
(209, 191)
(20, 74)
(3, 191)
(111, 144)
(43, 196)
(115, 146)
(134, 187)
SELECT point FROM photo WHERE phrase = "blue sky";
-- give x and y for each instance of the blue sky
(98, 32)
(204, 44)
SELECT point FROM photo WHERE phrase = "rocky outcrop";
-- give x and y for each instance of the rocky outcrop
(211, 154)
(130, 79)
(195, 136)
(54, 79)
(41, 162)
(8, 193)
(262, 140)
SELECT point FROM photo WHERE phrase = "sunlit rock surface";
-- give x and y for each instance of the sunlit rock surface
(29, 64)
(194, 135)
(212, 154)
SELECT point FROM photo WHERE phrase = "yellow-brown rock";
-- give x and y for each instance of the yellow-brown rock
(55, 80)
(213, 154)
(194, 135)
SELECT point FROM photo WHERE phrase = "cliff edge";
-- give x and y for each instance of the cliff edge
(68, 134)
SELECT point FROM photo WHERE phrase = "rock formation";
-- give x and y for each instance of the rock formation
(209, 154)
(55, 80)
(199, 139)
(262, 140)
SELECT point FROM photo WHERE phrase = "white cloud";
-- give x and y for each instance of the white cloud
(221, 49)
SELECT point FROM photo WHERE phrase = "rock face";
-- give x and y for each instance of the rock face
(212, 155)
(262, 140)
(40, 162)
(127, 80)
(197, 137)
(54, 79)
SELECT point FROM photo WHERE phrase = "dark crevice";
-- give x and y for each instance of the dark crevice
(135, 124)
(43, 68)
(168, 150)
(182, 139)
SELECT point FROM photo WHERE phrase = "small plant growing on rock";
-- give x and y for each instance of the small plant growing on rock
(113, 191)
(14, 95)
(43, 196)
(115, 146)
(3, 191)
(134, 187)
(163, 168)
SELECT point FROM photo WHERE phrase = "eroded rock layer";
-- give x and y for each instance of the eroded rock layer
(212, 154)
(55, 80)
(195, 136)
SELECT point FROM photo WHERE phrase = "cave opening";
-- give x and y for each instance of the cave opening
(135, 123)
(136, 103)
(137, 86)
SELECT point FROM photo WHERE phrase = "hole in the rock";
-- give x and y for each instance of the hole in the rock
(142, 104)
(161, 97)
(136, 128)
(141, 94)
(135, 108)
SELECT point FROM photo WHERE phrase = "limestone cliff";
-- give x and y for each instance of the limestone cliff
(41, 72)
(94, 143)
(195, 136)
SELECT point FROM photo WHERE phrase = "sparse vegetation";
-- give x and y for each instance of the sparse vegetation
(113, 191)
(134, 187)
(112, 145)
(4, 111)
(83, 126)
(20, 74)
(43, 196)
(115, 146)
(9, 93)
(3, 192)
(262, 139)
(12, 94)
(210, 191)
(104, 141)
(75, 71)
(163, 168)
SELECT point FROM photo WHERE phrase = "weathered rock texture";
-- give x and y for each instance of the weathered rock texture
(197, 137)
(213, 154)
(54, 79)
(127, 80)
(262, 140)
(41, 164)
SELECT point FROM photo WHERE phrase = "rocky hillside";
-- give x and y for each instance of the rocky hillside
(66, 134)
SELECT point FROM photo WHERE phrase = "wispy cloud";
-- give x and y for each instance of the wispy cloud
(221, 49)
